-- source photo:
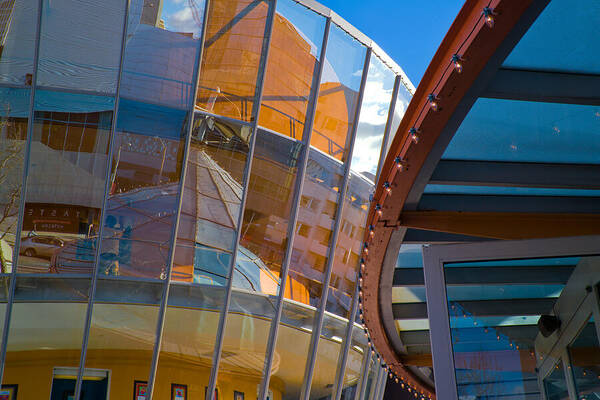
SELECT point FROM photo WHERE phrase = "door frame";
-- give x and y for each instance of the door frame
(434, 258)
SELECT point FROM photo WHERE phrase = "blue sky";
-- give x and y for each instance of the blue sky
(410, 31)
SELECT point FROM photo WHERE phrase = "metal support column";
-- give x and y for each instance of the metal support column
(388, 125)
(308, 374)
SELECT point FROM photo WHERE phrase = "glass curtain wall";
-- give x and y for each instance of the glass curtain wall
(95, 121)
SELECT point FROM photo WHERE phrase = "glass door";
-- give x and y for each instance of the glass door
(485, 303)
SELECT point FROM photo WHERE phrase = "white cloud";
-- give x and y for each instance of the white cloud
(183, 21)
(366, 153)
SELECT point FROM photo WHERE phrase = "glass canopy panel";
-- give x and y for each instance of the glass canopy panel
(291, 350)
(17, 35)
(271, 190)
(65, 182)
(509, 130)
(231, 61)
(338, 94)
(46, 332)
(13, 135)
(292, 65)
(211, 203)
(373, 117)
(349, 246)
(585, 360)
(568, 49)
(65, 57)
(494, 307)
(314, 228)
(358, 351)
(402, 99)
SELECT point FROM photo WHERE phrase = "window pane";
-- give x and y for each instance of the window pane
(268, 207)
(295, 328)
(46, 332)
(340, 83)
(402, 100)
(65, 182)
(292, 64)
(232, 51)
(160, 51)
(188, 341)
(556, 384)
(314, 228)
(352, 376)
(211, 201)
(13, 134)
(18, 19)
(348, 248)
(373, 117)
(585, 362)
(328, 353)
(65, 59)
(493, 323)
(122, 341)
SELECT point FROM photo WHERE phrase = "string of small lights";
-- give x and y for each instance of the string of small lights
(457, 64)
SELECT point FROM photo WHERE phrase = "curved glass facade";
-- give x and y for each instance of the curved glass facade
(184, 188)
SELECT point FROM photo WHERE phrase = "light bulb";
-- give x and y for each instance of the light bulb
(457, 61)
(399, 163)
(371, 230)
(378, 209)
(488, 15)
(432, 99)
(387, 187)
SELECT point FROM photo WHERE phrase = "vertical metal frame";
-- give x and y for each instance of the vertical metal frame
(212, 383)
(434, 258)
(374, 383)
(15, 260)
(316, 334)
(291, 231)
(388, 125)
(92, 292)
(188, 136)
(381, 384)
(568, 371)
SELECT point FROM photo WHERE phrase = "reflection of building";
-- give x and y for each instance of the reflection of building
(178, 224)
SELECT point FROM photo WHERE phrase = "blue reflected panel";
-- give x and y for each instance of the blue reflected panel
(511, 191)
(65, 182)
(162, 44)
(509, 130)
(292, 67)
(80, 44)
(373, 117)
(349, 245)
(18, 23)
(211, 206)
(494, 307)
(314, 227)
(338, 94)
(144, 184)
(402, 99)
(14, 110)
(561, 39)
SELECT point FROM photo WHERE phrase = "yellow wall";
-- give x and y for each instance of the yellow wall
(32, 371)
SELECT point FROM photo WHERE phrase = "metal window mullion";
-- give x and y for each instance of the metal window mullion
(92, 292)
(341, 367)
(384, 379)
(18, 228)
(212, 383)
(305, 392)
(374, 382)
(388, 125)
(291, 233)
(568, 371)
(364, 372)
(596, 310)
(167, 284)
(377, 387)
(442, 351)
